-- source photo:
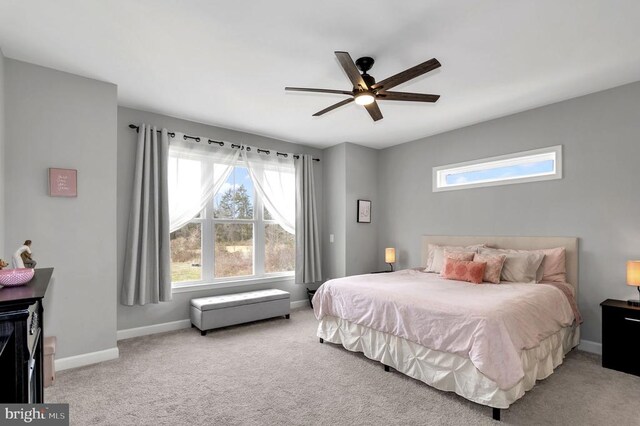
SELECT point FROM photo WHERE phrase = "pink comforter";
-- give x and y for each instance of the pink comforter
(489, 324)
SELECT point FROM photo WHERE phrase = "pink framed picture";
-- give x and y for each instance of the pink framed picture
(63, 182)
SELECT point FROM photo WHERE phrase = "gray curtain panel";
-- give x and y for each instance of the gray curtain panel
(147, 278)
(308, 267)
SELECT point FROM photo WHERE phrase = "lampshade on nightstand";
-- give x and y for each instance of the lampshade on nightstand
(633, 278)
(390, 256)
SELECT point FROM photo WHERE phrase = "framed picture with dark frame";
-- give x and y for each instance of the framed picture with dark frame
(364, 211)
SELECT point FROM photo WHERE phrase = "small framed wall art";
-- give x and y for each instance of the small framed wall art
(364, 211)
(63, 182)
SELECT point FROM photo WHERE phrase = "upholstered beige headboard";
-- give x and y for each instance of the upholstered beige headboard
(518, 243)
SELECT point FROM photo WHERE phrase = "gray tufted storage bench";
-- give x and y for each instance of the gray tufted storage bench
(220, 311)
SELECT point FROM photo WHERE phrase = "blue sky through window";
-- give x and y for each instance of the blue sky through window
(500, 173)
(239, 176)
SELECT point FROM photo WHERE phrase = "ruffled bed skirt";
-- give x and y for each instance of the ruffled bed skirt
(450, 372)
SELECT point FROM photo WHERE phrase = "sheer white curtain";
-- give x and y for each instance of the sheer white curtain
(195, 174)
(274, 178)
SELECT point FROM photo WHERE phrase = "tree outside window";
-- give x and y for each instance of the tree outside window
(234, 236)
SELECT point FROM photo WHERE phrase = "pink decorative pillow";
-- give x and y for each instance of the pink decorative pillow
(456, 255)
(463, 270)
(494, 266)
(435, 257)
(459, 255)
(554, 268)
(520, 266)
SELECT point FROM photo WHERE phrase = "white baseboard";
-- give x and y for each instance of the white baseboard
(86, 359)
(175, 325)
(299, 304)
(589, 346)
(153, 329)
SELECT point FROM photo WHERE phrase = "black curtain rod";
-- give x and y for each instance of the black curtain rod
(210, 141)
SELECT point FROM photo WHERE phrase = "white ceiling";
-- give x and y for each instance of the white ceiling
(227, 63)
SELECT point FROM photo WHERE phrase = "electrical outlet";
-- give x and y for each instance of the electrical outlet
(330, 238)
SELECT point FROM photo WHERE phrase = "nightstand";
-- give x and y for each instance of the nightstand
(621, 336)
(310, 294)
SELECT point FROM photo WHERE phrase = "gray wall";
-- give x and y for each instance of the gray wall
(55, 119)
(335, 196)
(3, 255)
(350, 175)
(178, 308)
(597, 200)
(361, 184)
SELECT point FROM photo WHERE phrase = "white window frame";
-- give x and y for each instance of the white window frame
(439, 174)
(207, 222)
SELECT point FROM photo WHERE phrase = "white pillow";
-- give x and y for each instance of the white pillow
(435, 257)
(520, 266)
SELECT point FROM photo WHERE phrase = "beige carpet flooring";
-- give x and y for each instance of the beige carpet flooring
(275, 372)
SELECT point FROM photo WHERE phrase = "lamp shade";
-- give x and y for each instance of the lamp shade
(390, 255)
(364, 98)
(633, 272)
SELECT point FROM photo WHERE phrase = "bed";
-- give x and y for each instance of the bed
(487, 343)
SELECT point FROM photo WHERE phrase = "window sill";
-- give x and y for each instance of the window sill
(200, 286)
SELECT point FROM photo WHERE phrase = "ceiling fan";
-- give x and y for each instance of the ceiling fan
(365, 89)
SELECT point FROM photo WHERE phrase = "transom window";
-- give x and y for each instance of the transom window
(234, 237)
(520, 167)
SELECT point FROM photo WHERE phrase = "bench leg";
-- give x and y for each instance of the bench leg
(386, 368)
(496, 414)
(203, 332)
(321, 340)
(287, 316)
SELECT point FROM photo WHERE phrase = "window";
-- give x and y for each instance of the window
(235, 237)
(528, 166)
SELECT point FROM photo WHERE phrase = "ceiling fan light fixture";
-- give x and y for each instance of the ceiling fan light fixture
(367, 92)
(364, 98)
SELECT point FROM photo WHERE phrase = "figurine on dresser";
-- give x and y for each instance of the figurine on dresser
(22, 257)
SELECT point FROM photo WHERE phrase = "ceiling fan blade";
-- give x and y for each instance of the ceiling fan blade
(352, 71)
(407, 74)
(332, 107)
(306, 89)
(374, 111)
(405, 96)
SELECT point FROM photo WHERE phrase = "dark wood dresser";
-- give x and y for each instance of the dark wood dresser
(21, 337)
(621, 336)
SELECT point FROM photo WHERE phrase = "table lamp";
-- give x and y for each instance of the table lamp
(390, 257)
(633, 278)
